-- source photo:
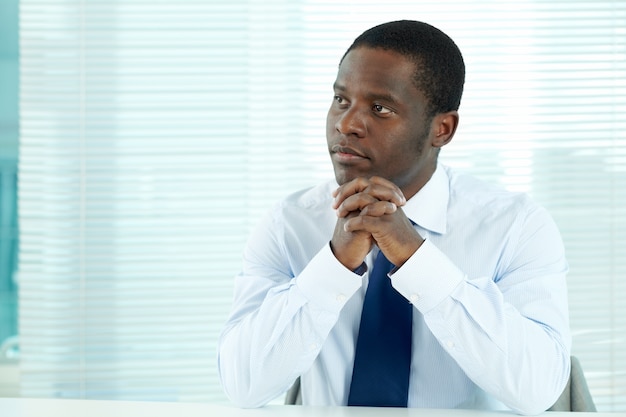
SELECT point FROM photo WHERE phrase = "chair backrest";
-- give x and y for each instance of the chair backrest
(576, 395)
(294, 395)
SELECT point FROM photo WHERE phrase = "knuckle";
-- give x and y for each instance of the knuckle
(361, 182)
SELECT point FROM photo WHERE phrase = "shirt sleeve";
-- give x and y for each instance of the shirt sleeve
(509, 333)
(279, 322)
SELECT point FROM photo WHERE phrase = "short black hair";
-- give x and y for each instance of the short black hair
(440, 70)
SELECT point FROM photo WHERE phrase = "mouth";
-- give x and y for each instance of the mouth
(346, 154)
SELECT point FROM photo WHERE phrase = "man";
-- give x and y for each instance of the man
(482, 270)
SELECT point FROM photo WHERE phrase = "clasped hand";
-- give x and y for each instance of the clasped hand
(369, 213)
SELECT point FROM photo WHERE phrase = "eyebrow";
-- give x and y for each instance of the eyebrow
(371, 96)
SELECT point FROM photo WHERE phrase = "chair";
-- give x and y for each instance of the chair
(294, 396)
(575, 396)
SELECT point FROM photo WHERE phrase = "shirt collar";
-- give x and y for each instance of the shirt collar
(429, 207)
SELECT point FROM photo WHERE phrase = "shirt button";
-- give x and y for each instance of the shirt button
(450, 344)
(340, 298)
(414, 298)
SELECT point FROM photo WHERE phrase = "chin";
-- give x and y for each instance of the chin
(343, 177)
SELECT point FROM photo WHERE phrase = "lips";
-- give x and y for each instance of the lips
(346, 152)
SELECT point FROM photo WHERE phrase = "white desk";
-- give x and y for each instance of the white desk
(31, 407)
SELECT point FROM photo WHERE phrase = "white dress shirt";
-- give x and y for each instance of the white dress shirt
(490, 324)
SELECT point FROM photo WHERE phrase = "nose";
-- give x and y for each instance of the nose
(351, 122)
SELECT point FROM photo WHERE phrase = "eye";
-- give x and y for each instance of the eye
(380, 109)
(340, 102)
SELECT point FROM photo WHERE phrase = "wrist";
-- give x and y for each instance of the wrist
(347, 261)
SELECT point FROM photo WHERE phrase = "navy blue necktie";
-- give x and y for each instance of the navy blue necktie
(382, 363)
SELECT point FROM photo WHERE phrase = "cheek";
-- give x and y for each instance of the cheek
(404, 149)
(417, 141)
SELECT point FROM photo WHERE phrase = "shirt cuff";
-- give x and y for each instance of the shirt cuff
(326, 282)
(427, 278)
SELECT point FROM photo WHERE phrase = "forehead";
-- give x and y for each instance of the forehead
(377, 69)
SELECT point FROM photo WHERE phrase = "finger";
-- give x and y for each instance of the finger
(361, 223)
(378, 208)
(391, 223)
(350, 188)
(377, 187)
(383, 181)
(354, 204)
(394, 193)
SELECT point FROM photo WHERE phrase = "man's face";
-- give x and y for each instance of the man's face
(377, 123)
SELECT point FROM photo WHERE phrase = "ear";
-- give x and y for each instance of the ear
(443, 127)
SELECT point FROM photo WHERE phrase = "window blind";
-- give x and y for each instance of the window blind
(155, 134)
